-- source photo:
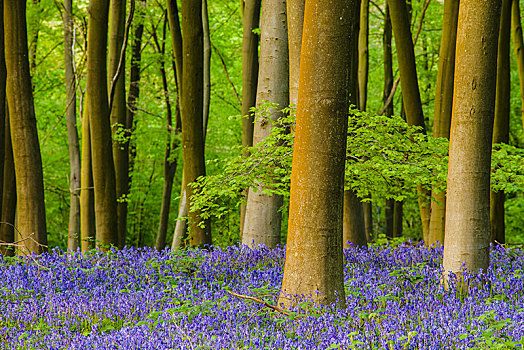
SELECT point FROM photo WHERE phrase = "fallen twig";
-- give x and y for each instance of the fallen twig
(266, 304)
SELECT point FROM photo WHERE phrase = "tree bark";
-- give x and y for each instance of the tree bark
(73, 241)
(314, 260)
(7, 227)
(207, 67)
(410, 89)
(443, 109)
(354, 229)
(295, 22)
(192, 112)
(262, 223)
(87, 194)
(466, 241)
(502, 111)
(250, 21)
(26, 148)
(97, 111)
(170, 162)
(363, 55)
(117, 23)
(134, 90)
(3, 104)
(518, 47)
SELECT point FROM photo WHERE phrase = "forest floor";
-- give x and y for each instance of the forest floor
(144, 299)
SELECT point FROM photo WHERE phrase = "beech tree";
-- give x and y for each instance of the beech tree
(314, 260)
(467, 234)
(192, 111)
(250, 21)
(31, 221)
(518, 47)
(97, 112)
(118, 109)
(443, 108)
(73, 242)
(410, 89)
(263, 219)
(502, 111)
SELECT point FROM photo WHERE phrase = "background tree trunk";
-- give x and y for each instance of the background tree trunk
(262, 223)
(7, 227)
(73, 242)
(443, 109)
(410, 89)
(295, 22)
(518, 46)
(87, 193)
(502, 110)
(250, 21)
(192, 111)
(3, 104)
(467, 209)
(26, 148)
(97, 111)
(314, 260)
(117, 23)
(170, 162)
(207, 67)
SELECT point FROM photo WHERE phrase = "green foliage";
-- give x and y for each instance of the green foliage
(386, 158)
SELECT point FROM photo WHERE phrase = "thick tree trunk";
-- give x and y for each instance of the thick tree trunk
(466, 242)
(443, 109)
(192, 111)
(26, 149)
(410, 89)
(250, 21)
(263, 219)
(117, 23)
(518, 46)
(73, 241)
(7, 227)
(502, 111)
(97, 111)
(314, 260)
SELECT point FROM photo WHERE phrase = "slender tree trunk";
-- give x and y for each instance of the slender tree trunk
(250, 21)
(207, 67)
(73, 242)
(466, 242)
(97, 111)
(443, 109)
(176, 42)
(363, 54)
(170, 162)
(87, 196)
(262, 223)
(353, 230)
(518, 46)
(314, 260)
(117, 23)
(7, 227)
(192, 112)
(502, 110)
(354, 215)
(410, 90)
(295, 21)
(26, 149)
(3, 104)
(134, 90)
(33, 45)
